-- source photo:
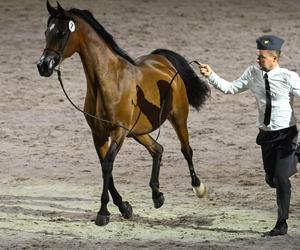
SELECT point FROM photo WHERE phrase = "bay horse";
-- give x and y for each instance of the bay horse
(130, 97)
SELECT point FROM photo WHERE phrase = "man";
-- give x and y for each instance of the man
(274, 89)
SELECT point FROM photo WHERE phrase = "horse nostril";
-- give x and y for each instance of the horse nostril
(40, 68)
(41, 60)
(46, 65)
(39, 65)
(44, 68)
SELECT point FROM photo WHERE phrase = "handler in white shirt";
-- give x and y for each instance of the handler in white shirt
(274, 89)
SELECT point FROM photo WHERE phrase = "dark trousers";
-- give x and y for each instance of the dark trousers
(280, 161)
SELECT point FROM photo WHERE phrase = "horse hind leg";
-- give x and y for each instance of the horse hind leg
(180, 127)
(156, 150)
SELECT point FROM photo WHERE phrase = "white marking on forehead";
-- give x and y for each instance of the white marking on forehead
(52, 26)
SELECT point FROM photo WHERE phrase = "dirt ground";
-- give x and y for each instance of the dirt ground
(50, 177)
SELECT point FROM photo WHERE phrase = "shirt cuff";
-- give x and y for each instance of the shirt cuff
(212, 78)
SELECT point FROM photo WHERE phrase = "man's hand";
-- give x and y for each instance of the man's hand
(205, 70)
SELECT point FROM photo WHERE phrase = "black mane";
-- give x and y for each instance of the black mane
(108, 38)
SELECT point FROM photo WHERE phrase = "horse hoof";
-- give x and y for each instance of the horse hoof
(159, 201)
(102, 220)
(126, 210)
(201, 191)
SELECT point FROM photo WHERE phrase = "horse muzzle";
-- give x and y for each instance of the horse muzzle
(47, 63)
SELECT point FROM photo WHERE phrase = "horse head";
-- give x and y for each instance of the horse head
(60, 39)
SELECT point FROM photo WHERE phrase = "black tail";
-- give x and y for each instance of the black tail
(197, 89)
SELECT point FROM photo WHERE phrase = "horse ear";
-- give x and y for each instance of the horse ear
(52, 11)
(59, 8)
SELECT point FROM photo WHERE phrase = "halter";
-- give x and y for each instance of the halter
(61, 52)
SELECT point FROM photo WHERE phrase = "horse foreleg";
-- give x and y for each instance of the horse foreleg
(156, 151)
(124, 206)
(182, 133)
(107, 156)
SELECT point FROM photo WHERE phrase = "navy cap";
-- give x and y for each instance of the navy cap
(269, 42)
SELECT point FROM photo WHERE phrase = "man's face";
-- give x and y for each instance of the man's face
(266, 59)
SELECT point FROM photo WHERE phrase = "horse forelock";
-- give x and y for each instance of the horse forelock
(60, 16)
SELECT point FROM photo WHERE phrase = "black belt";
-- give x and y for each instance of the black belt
(277, 135)
(278, 132)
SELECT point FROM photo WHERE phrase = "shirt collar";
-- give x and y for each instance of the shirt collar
(272, 72)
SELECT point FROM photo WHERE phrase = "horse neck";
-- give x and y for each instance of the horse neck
(97, 59)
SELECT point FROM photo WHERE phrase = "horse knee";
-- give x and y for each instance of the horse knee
(157, 152)
(160, 151)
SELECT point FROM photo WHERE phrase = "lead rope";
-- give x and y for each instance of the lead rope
(116, 124)
(165, 97)
(86, 113)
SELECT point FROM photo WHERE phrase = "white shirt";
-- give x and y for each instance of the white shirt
(284, 85)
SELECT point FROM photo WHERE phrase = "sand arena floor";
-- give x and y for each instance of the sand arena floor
(50, 177)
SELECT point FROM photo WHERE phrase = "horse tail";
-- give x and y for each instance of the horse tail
(197, 89)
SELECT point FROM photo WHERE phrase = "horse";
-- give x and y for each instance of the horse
(125, 97)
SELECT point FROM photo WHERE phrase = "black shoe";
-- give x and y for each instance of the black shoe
(280, 228)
